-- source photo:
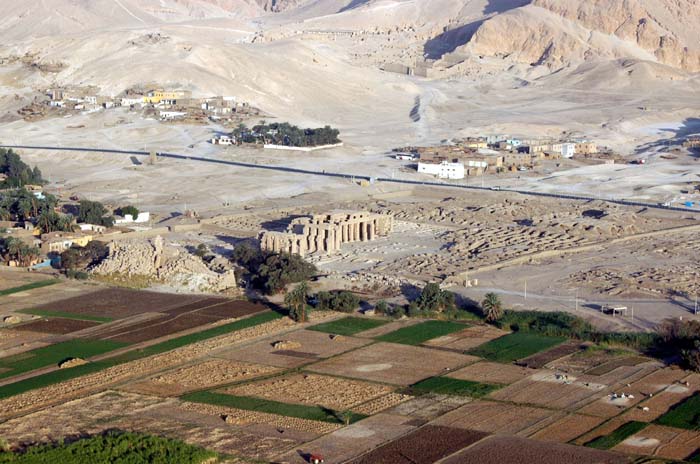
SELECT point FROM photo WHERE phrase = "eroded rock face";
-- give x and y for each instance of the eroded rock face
(279, 5)
(561, 32)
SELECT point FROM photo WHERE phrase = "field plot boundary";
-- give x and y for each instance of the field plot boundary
(53, 354)
(62, 375)
(514, 346)
(617, 436)
(65, 315)
(27, 287)
(250, 403)
(421, 333)
(452, 386)
(683, 415)
(348, 326)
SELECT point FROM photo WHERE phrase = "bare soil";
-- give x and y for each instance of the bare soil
(490, 372)
(515, 450)
(427, 444)
(57, 326)
(567, 428)
(541, 359)
(392, 363)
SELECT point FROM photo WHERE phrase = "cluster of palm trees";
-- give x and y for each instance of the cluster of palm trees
(15, 250)
(21, 205)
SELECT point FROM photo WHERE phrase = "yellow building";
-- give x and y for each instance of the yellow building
(60, 241)
(157, 96)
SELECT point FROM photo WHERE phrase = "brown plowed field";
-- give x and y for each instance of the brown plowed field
(468, 338)
(57, 326)
(568, 428)
(664, 442)
(194, 306)
(490, 372)
(169, 324)
(515, 450)
(118, 303)
(492, 417)
(425, 445)
(541, 359)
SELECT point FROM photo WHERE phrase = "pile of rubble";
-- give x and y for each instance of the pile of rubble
(168, 265)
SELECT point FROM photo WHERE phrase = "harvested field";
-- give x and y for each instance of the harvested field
(225, 439)
(349, 325)
(515, 450)
(492, 417)
(86, 415)
(427, 444)
(664, 442)
(551, 390)
(587, 359)
(612, 365)
(194, 306)
(61, 385)
(661, 402)
(381, 404)
(313, 346)
(420, 333)
(117, 303)
(425, 408)
(57, 326)
(468, 338)
(567, 428)
(354, 439)
(392, 363)
(541, 359)
(206, 374)
(514, 346)
(316, 413)
(652, 384)
(312, 389)
(245, 417)
(489, 372)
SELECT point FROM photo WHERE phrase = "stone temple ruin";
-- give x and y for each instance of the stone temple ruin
(325, 233)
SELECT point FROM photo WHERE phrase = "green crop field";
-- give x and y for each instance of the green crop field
(420, 333)
(514, 346)
(62, 375)
(63, 315)
(684, 415)
(450, 386)
(32, 286)
(112, 448)
(348, 325)
(53, 354)
(618, 436)
(248, 403)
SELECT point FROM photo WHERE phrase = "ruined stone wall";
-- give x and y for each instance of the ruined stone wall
(325, 233)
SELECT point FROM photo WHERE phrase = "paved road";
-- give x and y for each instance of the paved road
(353, 176)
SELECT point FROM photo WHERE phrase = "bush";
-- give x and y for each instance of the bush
(77, 275)
(77, 257)
(279, 270)
(342, 301)
(433, 298)
(389, 310)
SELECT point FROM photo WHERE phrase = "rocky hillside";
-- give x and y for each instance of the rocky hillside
(558, 33)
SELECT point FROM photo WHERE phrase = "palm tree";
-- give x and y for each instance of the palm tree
(492, 307)
(296, 302)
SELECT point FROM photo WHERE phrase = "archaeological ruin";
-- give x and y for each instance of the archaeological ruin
(325, 233)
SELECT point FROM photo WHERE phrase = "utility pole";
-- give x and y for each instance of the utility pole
(526, 289)
(576, 300)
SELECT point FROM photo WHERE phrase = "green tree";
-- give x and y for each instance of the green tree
(51, 221)
(492, 307)
(281, 269)
(434, 299)
(14, 249)
(296, 302)
(131, 210)
(94, 212)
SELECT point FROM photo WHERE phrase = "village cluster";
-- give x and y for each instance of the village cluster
(165, 105)
(476, 156)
